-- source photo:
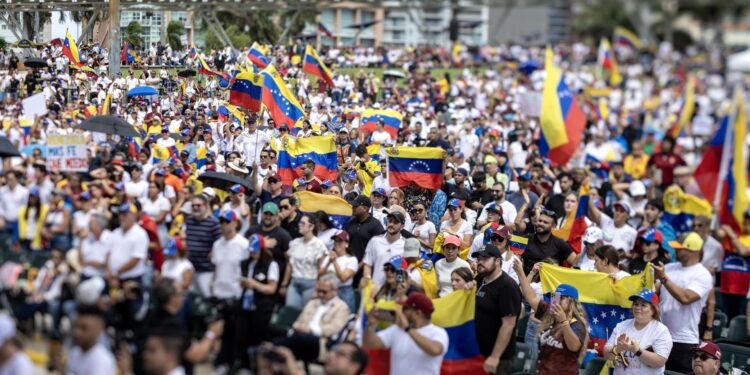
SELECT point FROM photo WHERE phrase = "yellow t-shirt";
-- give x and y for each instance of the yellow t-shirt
(636, 168)
(372, 166)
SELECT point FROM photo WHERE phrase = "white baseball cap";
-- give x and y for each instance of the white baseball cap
(89, 291)
(593, 234)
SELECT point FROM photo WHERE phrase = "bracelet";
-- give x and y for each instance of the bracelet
(566, 323)
(210, 335)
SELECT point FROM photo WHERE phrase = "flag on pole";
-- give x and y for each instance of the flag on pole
(323, 29)
(562, 119)
(688, 109)
(314, 65)
(247, 90)
(627, 38)
(281, 103)
(257, 55)
(128, 54)
(70, 49)
(607, 61)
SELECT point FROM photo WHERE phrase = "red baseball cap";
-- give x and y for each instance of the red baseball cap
(342, 235)
(420, 302)
(709, 348)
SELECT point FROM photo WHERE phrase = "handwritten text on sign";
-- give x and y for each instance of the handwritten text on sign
(67, 153)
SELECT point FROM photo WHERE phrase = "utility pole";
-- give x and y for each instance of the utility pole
(114, 37)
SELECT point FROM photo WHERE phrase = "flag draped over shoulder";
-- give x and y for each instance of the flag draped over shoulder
(314, 65)
(392, 120)
(627, 38)
(688, 108)
(337, 209)
(562, 119)
(605, 300)
(455, 313)
(281, 103)
(575, 223)
(680, 208)
(247, 90)
(320, 149)
(420, 165)
(70, 50)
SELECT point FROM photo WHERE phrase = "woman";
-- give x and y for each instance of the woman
(445, 267)
(305, 254)
(396, 286)
(456, 225)
(31, 221)
(334, 190)
(157, 207)
(260, 282)
(462, 279)
(57, 223)
(326, 230)
(606, 260)
(238, 204)
(423, 229)
(640, 345)
(563, 332)
(396, 197)
(175, 265)
(570, 205)
(344, 265)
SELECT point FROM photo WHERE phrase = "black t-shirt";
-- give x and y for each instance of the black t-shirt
(360, 233)
(637, 265)
(557, 203)
(282, 238)
(481, 196)
(496, 300)
(536, 251)
(292, 227)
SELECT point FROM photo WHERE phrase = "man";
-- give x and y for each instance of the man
(265, 168)
(95, 248)
(383, 247)
(272, 191)
(480, 195)
(459, 184)
(524, 185)
(500, 205)
(706, 359)
(269, 227)
(312, 183)
(201, 231)
(635, 163)
(434, 140)
(653, 252)
(163, 352)
(623, 235)
(127, 258)
(652, 220)
(712, 251)
(498, 304)
(593, 239)
(367, 169)
(684, 290)
(12, 197)
(362, 227)
(13, 361)
(253, 141)
(89, 356)
(165, 141)
(417, 346)
(290, 216)
(321, 319)
(346, 358)
(664, 162)
(557, 201)
(344, 148)
(544, 245)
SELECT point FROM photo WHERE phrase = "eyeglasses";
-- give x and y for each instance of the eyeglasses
(589, 244)
(283, 130)
(702, 356)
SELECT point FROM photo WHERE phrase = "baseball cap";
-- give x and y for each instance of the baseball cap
(89, 291)
(165, 129)
(185, 132)
(128, 207)
(7, 328)
(452, 240)
(397, 215)
(646, 295)
(34, 191)
(567, 290)
(592, 235)
(637, 188)
(526, 176)
(237, 188)
(488, 232)
(709, 348)
(502, 231)
(653, 235)
(398, 262)
(487, 251)
(462, 171)
(379, 191)
(454, 203)
(228, 216)
(361, 200)
(625, 206)
(341, 235)
(271, 208)
(691, 241)
(420, 302)
(411, 248)
(255, 243)
(159, 172)
(120, 186)
(209, 192)
(172, 247)
(495, 207)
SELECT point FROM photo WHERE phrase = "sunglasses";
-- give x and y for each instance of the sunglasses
(284, 207)
(264, 156)
(497, 238)
(589, 244)
(389, 269)
(272, 180)
(703, 357)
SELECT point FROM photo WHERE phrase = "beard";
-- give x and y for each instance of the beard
(485, 271)
(542, 231)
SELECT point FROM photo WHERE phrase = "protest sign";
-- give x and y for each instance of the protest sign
(67, 153)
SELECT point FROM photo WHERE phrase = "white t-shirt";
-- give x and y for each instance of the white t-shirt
(382, 137)
(623, 238)
(346, 262)
(98, 360)
(425, 230)
(682, 320)
(653, 337)
(407, 357)
(463, 230)
(154, 208)
(444, 270)
(326, 237)
(126, 246)
(136, 189)
(712, 254)
(19, 364)
(227, 255)
(303, 257)
(175, 268)
(95, 250)
(12, 200)
(378, 252)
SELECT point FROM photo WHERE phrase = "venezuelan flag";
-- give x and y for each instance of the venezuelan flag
(70, 49)
(575, 223)
(680, 208)
(518, 244)
(352, 113)
(134, 146)
(392, 120)
(201, 157)
(315, 66)
(247, 90)
(128, 54)
(205, 69)
(600, 168)
(105, 108)
(374, 151)
(323, 29)
(562, 119)
(320, 149)
(688, 109)
(420, 165)
(193, 52)
(337, 209)
(159, 154)
(605, 301)
(282, 105)
(257, 55)
(735, 201)
(90, 72)
(708, 171)
(603, 109)
(455, 313)
(607, 61)
(627, 38)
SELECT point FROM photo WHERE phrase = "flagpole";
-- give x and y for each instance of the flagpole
(725, 154)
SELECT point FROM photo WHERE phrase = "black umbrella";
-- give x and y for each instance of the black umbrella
(224, 181)
(35, 62)
(7, 149)
(109, 124)
(187, 73)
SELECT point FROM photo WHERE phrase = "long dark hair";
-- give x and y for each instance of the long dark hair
(37, 205)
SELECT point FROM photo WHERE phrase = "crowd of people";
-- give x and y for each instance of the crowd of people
(147, 269)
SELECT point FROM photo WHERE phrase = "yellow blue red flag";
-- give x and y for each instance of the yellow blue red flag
(70, 49)
(392, 120)
(337, 209)
(627, 38)
(320, 149)
(314, 65)
(607, 61)
(281, 103)
(420, 165)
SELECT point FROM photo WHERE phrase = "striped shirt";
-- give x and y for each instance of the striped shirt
(200, 237)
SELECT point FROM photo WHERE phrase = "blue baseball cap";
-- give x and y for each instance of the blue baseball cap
(646, 295)
(119, 186)
(34, 191)
(255, 243)
(454, 203)
(159, 172)
(85, 196)
(228, 216)
(379, 191)
(350, 175)
(237, 188)
(327, 183)
(488, 232)
(526, 176)
(185, 132)
(128, 207)
(398, 262)
(171, 248)
(567, 290)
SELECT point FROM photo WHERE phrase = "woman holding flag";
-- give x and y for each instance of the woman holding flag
(563, 332)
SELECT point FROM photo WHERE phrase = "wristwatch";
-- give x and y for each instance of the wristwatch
(407, 329)
(639, 352)
(664, 280)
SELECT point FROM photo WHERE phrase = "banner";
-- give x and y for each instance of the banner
(67, 153)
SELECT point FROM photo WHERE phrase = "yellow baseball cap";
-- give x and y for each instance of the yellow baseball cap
(691, 241)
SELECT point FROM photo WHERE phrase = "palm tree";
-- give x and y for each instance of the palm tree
(175, 30)
(295, 20)
(133, 34)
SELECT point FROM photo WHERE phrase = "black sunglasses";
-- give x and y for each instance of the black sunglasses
(703, 357)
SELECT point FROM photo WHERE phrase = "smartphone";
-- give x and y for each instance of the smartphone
(386, 316)
(555, 300)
